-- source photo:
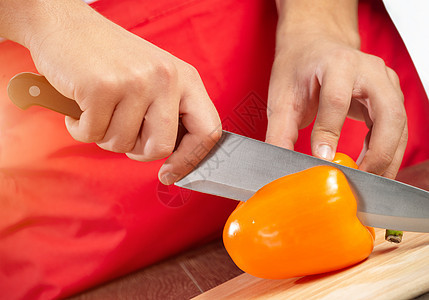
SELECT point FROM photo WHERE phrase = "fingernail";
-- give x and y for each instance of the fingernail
(325, 151)
(168, 178)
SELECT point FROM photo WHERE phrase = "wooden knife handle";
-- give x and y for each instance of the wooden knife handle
(28, 89)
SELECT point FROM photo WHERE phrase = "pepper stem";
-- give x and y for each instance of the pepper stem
(393, 236)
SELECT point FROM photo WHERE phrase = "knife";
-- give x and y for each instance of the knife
(238, 166)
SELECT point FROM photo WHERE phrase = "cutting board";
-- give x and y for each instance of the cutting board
(392, 271)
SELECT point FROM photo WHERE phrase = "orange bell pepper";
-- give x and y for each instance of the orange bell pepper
(345, 160)
(301, 224)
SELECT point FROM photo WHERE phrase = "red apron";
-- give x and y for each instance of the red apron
(73, 216)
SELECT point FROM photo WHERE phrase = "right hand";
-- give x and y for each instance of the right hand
(130, 91)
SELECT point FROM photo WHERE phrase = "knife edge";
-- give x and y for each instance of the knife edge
(217, 189)
(394, 223)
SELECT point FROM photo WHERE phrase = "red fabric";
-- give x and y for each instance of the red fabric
(379, 37)
(73, 216)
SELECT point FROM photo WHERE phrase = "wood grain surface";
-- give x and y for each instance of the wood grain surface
(392, 271)
(181, 277)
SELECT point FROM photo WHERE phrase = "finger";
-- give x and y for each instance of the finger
(388, 131)
(393, 168)
(284, 116)
(94, 121)
(335, 97)
(282, 129)
(125, 125)
(158, 132)
(202, 122)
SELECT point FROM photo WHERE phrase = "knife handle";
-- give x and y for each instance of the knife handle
(29, 89)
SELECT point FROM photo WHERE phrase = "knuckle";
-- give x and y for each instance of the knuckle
(390, 173)
(393, 75)
(166, 71)
(337, 101)
(378, 61)
(327, 132)
(136, 80)
(382, 159)
(90, 136)
(118, 146)
(153, 78)
(90, 131)
(192, 72)
(158, 152)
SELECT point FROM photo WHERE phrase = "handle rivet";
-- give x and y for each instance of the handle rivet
(34, 91)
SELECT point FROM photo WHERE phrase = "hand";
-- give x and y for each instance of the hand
(318, 72)
(131, 92)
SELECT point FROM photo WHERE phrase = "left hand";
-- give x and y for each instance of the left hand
(319, 72)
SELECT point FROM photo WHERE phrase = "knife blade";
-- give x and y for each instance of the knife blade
(238, 166)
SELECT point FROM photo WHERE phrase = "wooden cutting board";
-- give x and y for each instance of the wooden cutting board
(392, 271)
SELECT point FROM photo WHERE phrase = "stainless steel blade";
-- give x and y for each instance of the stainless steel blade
(238, 166)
